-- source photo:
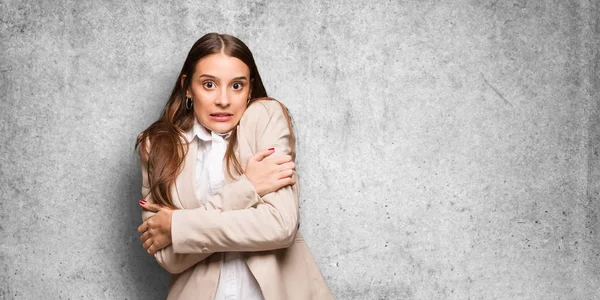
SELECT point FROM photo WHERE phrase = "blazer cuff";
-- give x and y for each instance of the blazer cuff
(181, 237)
(240, 195)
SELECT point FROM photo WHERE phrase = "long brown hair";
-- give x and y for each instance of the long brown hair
(163, 146)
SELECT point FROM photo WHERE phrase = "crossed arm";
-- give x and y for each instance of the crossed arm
(235, 195)
(236, 218)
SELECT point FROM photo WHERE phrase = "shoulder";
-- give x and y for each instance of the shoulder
(268, 106)
(264, 110)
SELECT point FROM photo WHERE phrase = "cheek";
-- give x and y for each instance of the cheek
(242, 104)
(238, 102)
(199, 93)
(203, 99)
(240, 111)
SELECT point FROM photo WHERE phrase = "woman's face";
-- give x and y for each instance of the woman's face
(219, 88)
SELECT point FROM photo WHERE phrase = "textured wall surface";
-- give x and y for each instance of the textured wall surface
(447, 149)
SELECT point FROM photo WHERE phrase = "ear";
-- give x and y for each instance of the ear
(187, 92)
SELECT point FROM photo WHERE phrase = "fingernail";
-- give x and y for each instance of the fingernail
(142, 202)
(271, 149)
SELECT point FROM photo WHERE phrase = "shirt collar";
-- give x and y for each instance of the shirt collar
(203, 133)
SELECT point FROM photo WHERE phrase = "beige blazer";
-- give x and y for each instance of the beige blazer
(264, 228)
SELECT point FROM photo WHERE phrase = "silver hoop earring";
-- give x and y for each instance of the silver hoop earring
(188, 103)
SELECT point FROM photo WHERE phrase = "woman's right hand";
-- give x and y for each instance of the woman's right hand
(269, 174)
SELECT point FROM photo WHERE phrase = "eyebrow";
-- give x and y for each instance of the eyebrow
(235, 78)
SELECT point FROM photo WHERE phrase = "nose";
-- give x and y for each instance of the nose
(222, 99)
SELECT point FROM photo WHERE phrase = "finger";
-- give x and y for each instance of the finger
(285, 173)
(150, 250)
(145, 236)
(148, 243)
(159, 244)
(151, 206)
(287, 166)
(280, 159)
(143, 227)
(285, 182)
(260, 155)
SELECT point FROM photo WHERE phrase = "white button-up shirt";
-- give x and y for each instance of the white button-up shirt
(236, 280)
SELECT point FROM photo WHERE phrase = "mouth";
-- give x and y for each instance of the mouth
(221, 116)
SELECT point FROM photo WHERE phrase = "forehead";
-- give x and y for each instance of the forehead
(221, 66)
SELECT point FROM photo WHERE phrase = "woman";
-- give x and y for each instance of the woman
(225, 227)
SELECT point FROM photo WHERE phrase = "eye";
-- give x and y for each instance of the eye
(209, 84)
(237, 86)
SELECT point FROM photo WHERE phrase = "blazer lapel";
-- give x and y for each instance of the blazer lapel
(185, 185)
(184, 195)
(236, 152)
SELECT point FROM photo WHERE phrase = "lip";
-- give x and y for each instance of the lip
(221, 116)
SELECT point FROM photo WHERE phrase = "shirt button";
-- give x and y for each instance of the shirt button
(204, 250)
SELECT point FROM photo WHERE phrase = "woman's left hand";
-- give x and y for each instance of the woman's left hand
(156, 230)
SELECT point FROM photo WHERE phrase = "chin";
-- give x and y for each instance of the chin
(222, 128)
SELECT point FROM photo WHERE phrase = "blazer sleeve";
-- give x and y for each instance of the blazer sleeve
(272, 224)
(234, 195)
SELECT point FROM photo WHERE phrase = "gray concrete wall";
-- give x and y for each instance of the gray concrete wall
(447, 150)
